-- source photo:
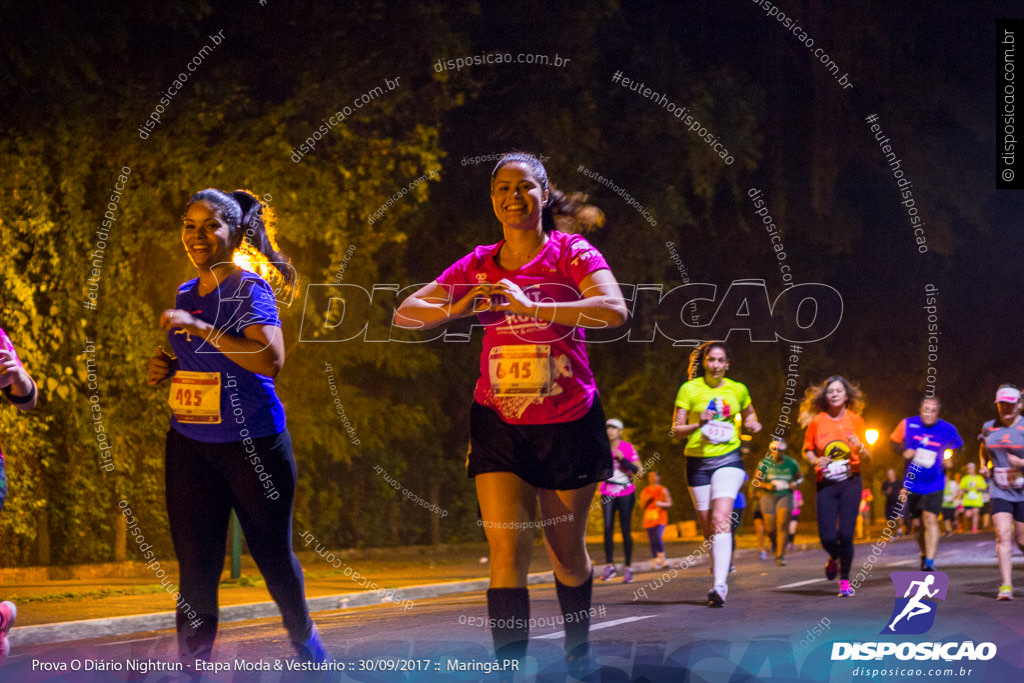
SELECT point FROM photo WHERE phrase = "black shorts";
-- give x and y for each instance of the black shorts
(1015, 509)
(928, 502)
(949, 514)
(558, 457)
(699, 470)
(757, 510)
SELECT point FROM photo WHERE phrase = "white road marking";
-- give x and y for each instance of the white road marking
(903, 563)
(595, 627)
(800, 583)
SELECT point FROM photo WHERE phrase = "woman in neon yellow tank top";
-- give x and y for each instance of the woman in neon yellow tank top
(705, 412)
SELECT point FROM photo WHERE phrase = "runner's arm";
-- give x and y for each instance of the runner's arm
(601, 306)
(680, 428)
(21, 391)
(750, 422)
(432, 305)
(259, 350)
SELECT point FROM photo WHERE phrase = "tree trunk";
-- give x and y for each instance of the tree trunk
(43, 539)
(120, 537)
(434, 494)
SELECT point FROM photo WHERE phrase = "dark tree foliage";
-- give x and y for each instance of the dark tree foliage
(390, 192)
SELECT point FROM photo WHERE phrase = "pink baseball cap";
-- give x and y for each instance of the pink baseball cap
(1007, 395)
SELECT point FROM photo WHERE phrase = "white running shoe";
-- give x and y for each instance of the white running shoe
(716, 596)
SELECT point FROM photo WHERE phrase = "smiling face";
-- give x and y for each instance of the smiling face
(517, 196)
(835, 395)
(206, 236)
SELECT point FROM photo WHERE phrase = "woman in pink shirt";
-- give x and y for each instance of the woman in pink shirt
(618, 494)
(537, 430)
(20, 389)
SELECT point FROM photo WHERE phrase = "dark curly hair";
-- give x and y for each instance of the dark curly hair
(563, 212)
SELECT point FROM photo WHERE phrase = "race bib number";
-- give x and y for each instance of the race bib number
(652, 515)
(195, 397)
(780, 484)
(837, 470)
(718, 431)
(924, 457)
(520, 370)
(1008, 477)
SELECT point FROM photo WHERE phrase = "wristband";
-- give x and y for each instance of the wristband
(20, 400)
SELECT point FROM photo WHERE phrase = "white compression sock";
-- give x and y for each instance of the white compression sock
(721, 551)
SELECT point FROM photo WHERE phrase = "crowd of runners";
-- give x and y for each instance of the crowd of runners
(538, 433)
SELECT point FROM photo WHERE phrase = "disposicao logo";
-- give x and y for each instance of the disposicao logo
(913, 614)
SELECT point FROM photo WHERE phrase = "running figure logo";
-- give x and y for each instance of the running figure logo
(914, 613)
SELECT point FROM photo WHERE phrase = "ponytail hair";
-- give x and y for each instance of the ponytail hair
(696, 366)
(570, 213)
(563, 212)
(252, 226)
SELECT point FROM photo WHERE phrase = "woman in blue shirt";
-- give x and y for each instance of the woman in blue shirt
(228, 446)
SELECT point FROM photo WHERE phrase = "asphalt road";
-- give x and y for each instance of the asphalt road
(778, 624)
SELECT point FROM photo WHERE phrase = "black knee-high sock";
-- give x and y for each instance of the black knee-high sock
(509, 610)
(575, 602)
(196, 636)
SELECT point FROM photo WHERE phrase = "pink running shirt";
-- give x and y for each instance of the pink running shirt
(532, 371)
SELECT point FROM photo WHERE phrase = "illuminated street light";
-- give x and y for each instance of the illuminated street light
(872, 436)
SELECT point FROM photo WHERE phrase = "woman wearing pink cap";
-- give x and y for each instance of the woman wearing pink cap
(537, 429)
(618, 494)
(1002, 444)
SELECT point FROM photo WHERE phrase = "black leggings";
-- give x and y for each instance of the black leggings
(204, 482)
(624, 504)
(837, 520)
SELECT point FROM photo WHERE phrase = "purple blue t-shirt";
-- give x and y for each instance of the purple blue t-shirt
(249, 405)
(1001, 442)
(532, 371)
(925, 472)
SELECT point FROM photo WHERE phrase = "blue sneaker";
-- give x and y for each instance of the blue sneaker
(928, 565)
(313, 650)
